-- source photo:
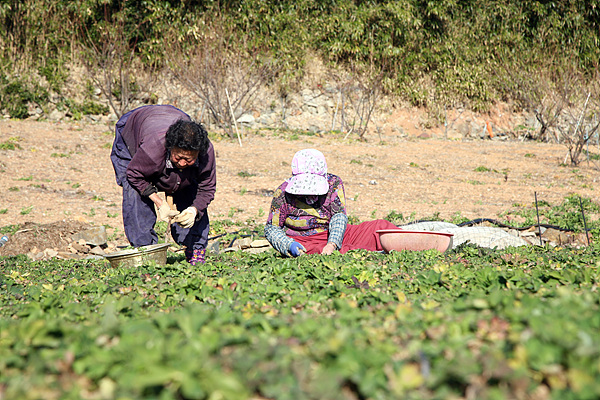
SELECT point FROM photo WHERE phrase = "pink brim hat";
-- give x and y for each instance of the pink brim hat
(309, 170)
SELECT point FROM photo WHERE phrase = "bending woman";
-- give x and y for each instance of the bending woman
(308, 213)
(159, 148)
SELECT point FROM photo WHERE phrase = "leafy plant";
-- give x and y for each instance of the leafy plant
(457, 218)
(17, 93)
(26, 210)
(87, 107)
(161, 228)
(353, 219)
(395, 217)
(10, 144)
(245, 174)
(567, 215)
(9, 229)
(56, 73)
(233, 211)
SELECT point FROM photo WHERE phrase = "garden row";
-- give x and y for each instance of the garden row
(473, 323)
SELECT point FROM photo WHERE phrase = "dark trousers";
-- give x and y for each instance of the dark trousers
(139, 215)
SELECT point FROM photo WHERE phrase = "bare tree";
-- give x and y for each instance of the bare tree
(539, 92)
(113, 67)
(580, 121)
(359, 93)
(565, 103)
(225, 80)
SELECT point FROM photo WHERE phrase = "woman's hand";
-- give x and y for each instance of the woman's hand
(164, 212)
(296, 249)
(187, 217)
(328, 249)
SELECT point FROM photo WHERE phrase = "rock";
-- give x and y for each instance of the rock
(557, 236)
(214, 247)
(260, 243)
(583, 238)
(243, 243)
(246, 119)
(50, 253)
(266, 119)
(97, 250)
(307, 94)
(464, 129)
(80, 247)
(35, 254)
(312, 107)
(34, 111)
(95, 236)
(314, 128)
(56, 115)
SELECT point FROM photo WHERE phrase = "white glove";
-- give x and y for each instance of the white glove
(164, 212)
(187, 217)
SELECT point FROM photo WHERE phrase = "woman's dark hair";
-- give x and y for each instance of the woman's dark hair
(187, 135)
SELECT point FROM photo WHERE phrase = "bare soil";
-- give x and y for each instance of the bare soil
(61, 177)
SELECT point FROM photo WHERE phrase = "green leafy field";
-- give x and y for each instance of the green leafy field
(473, 323)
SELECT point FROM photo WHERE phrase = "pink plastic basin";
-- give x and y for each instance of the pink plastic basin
(398, 239)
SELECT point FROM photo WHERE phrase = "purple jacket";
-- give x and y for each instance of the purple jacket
(144, 135)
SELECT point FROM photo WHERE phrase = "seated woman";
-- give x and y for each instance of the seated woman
(308, 213)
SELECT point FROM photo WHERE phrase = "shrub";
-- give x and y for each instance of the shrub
(16, 94)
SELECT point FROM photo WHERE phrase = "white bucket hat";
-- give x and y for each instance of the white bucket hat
(309, 174)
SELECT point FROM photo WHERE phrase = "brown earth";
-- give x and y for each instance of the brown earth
(61, 178)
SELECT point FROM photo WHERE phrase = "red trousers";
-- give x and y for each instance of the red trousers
(361, 236)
